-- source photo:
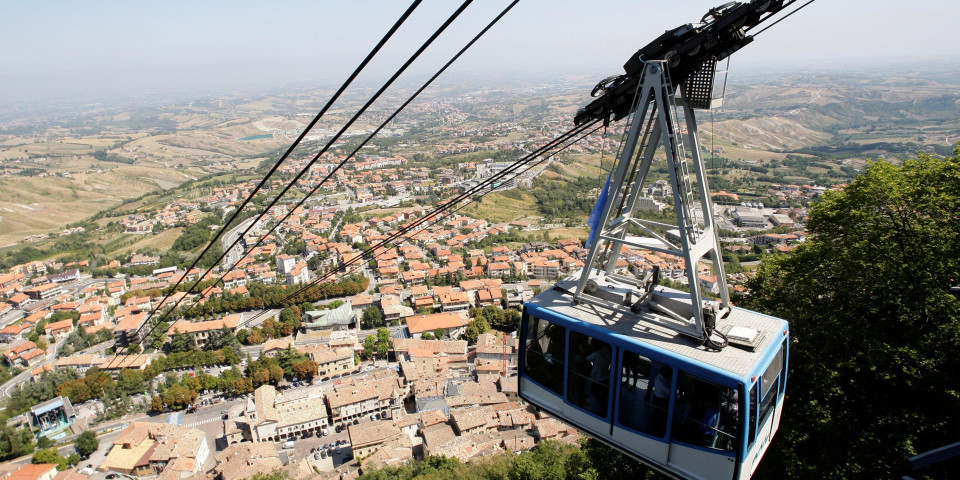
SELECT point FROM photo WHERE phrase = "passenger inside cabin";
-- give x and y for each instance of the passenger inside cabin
(706, 414)
(600, 377)
(659, 397)
(644, 394)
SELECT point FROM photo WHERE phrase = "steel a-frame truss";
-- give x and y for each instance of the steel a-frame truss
(656, 123)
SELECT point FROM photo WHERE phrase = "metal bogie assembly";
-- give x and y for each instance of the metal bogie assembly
(655, 123)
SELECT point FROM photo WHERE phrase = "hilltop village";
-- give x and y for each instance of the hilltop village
(406, 353)
(353, 330)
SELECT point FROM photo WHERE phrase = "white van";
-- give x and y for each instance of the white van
(288, 444)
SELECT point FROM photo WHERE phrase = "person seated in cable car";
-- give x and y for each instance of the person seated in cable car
(707, 427)
(729, 420)
(600, 376)
(658, 395)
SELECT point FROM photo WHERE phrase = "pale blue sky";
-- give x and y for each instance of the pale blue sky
(58, 49)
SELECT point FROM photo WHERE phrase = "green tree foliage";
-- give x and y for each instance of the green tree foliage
(87, 443)
(212, 256)
(14, 442)
(383, 342)
(550, 461)
(876, 332)
(32, 393)
(195, 235)
(372, 318)
(377, 346)
(182, 343)
(156, 403)
(565, 198)
(278, 474)
(304, 369)
(50, 455)
(507, 320)
(369, 347)
(44, 442)
(224, 338)
(261, 295)
(131, 382)
(476, 327)
(179, 397)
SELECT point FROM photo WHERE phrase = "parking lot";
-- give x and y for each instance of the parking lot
(322, 451)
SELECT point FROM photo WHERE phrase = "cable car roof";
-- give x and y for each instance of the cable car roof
(737, 361)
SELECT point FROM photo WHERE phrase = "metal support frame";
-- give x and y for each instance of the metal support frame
(654, 123)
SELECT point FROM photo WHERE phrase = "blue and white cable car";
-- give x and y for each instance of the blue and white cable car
(692, 386)
(651, 392)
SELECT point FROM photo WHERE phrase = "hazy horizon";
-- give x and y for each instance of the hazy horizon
(90, 52)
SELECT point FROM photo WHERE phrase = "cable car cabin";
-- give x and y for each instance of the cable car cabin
(651, 392)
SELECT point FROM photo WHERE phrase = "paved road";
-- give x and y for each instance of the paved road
(253, 318)
(233, 256)
(10, 317)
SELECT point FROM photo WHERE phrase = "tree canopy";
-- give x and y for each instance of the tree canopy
(87, 443)
(876, 332)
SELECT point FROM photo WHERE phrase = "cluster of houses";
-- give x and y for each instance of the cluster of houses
(441, 397)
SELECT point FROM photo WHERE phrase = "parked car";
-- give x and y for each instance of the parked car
(288, 444)
(323, 454)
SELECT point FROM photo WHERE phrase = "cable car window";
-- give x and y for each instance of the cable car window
(754, 394)
(645, 388)
(545, 353)
(706, 414)
(773, 371)
(783, 368)
(588, 379)
(770, 385)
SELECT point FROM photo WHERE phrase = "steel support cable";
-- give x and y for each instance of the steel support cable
(444, 213)
(307, 167)
(405, 231)
(783, 17)
(323, 111)
(372, 135)
(444, 207)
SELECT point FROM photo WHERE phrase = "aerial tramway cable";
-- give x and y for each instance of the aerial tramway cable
(371, 135)
(442, 212)
(471, 195)
(384, 124)
(151, 324)
(307, 167)
(326, 107)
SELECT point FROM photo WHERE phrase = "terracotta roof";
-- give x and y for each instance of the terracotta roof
(372, 433)
(244, 460)
(436, 435)
(183, 326)
(423, 323)
(132, 321)
(32, 472)
(470, 418)
(277, 344)
(62, 324)
(433, 346)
